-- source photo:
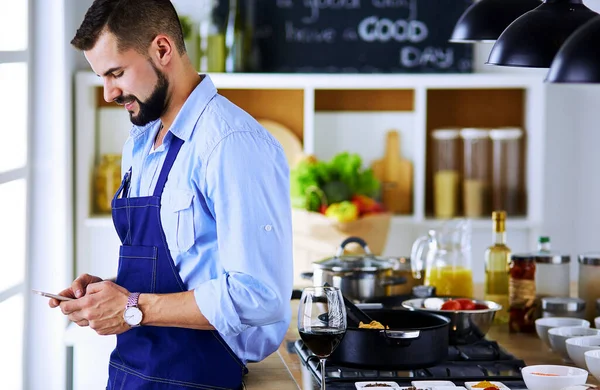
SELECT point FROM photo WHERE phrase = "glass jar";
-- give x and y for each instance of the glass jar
(589, 286)
(446, 172)
(107, 180)
(563, 307)
(476, 170)
(552, 272)
(211, 40)
(507, 177)
(521, 294)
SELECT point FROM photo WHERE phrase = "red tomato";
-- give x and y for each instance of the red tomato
(451, 305)
(466, 304)
(480, 306)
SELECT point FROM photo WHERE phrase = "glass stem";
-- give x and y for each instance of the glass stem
(322, 362)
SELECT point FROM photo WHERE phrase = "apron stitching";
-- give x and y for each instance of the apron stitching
(123, 383)
(166, 249)
(161, 380)
(139, 257)
(226, 348)
(128, 221)
(134, 206)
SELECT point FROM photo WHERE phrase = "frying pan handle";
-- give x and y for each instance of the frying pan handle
(350, 240)
(307, 275)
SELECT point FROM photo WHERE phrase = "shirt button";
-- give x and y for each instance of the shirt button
(268, 228)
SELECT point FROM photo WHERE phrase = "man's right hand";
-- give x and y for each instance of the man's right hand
(77, 289)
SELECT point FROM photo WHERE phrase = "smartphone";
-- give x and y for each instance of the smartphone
(48, 295)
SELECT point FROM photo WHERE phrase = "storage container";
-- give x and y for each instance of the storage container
(563, 307)
(446, 172)
(589, 282)
(476, 170)
(507, 170)
(552, 271)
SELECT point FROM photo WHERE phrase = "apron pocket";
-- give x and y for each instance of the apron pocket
(137, 268)
(179, 220)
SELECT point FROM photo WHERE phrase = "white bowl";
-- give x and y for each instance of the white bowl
(578, 346)
(559, 336)
(592, 360)
(543, 325)
(562, 376)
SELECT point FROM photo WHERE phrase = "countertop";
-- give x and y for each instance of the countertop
(283, 370)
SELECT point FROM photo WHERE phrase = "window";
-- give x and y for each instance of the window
(14, 110)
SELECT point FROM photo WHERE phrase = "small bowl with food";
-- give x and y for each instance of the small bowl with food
(551, 377)
(470, 319)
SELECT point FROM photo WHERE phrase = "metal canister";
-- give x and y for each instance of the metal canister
(589, 288)
(563, 307)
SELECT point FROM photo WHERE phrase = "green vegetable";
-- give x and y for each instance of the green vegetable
(339, 179)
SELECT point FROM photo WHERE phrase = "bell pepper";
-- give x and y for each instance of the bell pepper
(345, 211)
(366, 205)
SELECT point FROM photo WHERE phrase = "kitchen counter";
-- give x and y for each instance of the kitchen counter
(283, 370)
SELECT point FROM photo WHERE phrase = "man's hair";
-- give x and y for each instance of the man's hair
(134, 23)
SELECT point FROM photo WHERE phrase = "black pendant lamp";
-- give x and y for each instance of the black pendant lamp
(578, 60)
(534, 38)
(485, 20)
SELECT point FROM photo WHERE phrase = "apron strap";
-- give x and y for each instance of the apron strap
(174, 148)
(124, 188)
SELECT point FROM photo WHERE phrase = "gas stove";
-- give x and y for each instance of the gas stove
(474, 362)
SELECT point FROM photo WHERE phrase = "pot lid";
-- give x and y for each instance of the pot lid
(365, 263)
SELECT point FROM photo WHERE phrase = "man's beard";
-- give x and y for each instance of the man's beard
(154, 106)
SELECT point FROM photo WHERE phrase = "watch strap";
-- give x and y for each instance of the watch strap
(133, 300)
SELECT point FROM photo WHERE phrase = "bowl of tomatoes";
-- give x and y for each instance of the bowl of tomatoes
(470, 319)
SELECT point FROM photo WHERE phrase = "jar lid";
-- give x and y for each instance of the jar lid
(523, 256)
(506, 133)
(445, 134)
(474, 133)
(560, 304)
(546, 257)
(590, 258)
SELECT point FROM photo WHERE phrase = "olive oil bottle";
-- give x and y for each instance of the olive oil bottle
(497, 259)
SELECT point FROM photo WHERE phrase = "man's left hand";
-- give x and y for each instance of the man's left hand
(101, 308)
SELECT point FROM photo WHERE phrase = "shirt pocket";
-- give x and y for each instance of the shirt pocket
(179, 220)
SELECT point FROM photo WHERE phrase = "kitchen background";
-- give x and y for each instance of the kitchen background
(565, 177)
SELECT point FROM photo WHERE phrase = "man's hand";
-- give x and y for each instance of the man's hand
(101, 308)
(77, 289)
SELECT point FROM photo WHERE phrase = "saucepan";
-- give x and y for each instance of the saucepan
(359, 277)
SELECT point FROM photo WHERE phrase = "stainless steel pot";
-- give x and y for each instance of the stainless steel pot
(359, 277)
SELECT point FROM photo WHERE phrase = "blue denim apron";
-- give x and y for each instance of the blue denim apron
(161, 358)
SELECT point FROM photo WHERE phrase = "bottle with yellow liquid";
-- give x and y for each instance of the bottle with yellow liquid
(497, 260)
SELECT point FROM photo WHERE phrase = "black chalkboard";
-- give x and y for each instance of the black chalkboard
(360, 36)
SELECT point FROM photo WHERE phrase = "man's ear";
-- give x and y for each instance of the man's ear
(162, 50)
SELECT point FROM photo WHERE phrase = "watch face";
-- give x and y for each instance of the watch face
(133, 316)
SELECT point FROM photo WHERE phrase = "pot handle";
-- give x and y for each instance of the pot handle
(402, 334)
(307, 275)
(355, 240)
(393, 281)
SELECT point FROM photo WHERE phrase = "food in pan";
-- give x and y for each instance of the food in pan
(378, 385)
(543, 374)
(372, 325)
(485, 385)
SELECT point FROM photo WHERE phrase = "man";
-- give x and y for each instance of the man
(203, 214)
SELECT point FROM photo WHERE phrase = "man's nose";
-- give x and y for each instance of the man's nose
(111, 92)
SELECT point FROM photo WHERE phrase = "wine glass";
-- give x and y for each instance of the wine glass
(322, 322)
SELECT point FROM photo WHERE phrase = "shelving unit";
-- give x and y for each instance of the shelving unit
(331, 113)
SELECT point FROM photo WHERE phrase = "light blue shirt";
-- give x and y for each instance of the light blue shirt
(226, 215)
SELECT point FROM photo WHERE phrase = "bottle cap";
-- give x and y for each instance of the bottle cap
(544, 240)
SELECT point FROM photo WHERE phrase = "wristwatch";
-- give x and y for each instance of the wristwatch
(133, 315)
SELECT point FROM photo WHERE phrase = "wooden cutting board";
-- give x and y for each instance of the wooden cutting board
(395, 174)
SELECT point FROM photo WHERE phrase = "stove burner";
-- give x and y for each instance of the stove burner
(482, 360)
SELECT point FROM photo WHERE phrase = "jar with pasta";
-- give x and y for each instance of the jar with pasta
(107, 180)
(477, 172)
(521, 294)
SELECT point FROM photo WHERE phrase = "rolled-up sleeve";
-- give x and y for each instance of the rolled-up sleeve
(247, 187)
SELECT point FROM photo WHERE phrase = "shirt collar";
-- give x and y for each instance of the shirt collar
(190, 112)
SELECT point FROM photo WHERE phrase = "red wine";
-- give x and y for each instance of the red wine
(322, 341)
